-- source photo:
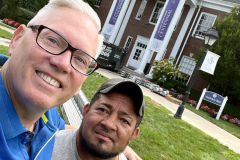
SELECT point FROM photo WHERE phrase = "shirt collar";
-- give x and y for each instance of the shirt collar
(9, 120)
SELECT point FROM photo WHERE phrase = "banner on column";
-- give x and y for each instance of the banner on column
(111, 24)
(210, 62)
(157, 41)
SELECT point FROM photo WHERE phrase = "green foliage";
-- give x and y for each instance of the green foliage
(164, 72)
(10, 9)
(90, 2)
(226, 76)
(165, 137)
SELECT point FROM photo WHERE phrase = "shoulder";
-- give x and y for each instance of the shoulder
(53, 116)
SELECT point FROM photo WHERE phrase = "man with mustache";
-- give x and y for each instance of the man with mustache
(50, 58)
(109, 123)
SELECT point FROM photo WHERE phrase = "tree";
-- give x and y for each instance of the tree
(10, 9)
(227, 73)
(164, 72)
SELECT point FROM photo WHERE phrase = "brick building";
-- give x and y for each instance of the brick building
(136, 22)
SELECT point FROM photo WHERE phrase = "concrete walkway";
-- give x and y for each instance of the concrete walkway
(209, 128)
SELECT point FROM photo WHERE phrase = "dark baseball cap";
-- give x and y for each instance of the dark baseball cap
(124, 86)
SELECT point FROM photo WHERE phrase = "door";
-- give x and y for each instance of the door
(137, 54)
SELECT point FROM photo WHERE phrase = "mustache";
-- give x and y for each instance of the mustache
(102, 130)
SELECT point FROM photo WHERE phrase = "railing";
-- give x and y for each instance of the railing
(72, 109)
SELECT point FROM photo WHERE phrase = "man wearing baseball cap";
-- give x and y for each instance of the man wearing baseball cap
(110, 122)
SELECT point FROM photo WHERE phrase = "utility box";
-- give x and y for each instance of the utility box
(112, 56)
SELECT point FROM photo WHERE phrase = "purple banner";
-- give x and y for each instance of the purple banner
(116, 12)
(166, 19)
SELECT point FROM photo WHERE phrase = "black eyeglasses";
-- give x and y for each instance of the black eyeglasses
(55, 44)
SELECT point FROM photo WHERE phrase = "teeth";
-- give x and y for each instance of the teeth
(49, 80)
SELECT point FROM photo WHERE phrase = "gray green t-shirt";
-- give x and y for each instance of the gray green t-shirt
(65, 147)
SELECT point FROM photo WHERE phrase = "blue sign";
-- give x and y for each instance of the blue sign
(213, 98)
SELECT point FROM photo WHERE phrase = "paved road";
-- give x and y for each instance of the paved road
(209, 128)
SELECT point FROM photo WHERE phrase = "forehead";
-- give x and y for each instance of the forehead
(75, 26)
(119, 101)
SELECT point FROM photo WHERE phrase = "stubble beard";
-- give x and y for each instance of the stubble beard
(95, 149)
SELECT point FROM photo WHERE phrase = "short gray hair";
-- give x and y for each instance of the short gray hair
(74, 4)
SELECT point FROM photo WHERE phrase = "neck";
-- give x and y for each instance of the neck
(84, 154)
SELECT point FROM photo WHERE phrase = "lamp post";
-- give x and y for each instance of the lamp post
(210, 37)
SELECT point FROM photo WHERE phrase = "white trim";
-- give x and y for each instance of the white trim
(219, 5)
(141, 9)
(129, 37)
(199, 18)
(124, 23)
(159, 13)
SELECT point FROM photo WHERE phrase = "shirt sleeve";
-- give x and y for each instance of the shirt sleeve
(3, 59)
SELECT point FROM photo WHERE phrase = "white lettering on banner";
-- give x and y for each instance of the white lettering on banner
(161, 32)
(215, 100)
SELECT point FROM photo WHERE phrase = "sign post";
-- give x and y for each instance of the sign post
(213, 98)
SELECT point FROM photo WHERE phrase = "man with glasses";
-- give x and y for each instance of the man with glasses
(50, 60)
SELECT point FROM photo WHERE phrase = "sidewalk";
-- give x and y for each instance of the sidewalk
(3, 41)
(209, 128)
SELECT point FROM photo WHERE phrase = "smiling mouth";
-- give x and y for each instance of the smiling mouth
(49, 80)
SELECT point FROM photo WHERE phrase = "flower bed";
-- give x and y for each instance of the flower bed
(11, 22)
(211, 111)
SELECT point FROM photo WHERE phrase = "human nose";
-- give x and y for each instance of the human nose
(62, 61)
(110, 122)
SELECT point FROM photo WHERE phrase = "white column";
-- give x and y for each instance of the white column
(182, 32)
(125, 22)
(119, 21)
(109, 14)
(169, 31)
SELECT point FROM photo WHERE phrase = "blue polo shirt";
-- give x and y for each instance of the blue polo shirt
(3, 59)
(14, 136)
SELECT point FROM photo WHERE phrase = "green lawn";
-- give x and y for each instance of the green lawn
(5, 34)
(4, 50)
(227, 126)
(165, 137)
(4, 25)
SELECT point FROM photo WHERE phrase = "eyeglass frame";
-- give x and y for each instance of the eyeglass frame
(69, 47)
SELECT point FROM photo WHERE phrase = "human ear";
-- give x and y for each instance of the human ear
(16, 35)
(86, 109)
(134, 134)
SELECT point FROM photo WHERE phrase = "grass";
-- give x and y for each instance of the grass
(227, 126)
(7, 26)
(4, 50)
(165, 137)
(5, 34)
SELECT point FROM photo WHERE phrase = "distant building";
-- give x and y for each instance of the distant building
(131, 24)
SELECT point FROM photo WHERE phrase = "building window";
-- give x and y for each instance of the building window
(98, 3)
(187, 66)
(128, 42)
(156, 12)
(141, 9)
(205, 22)
(139, 50)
